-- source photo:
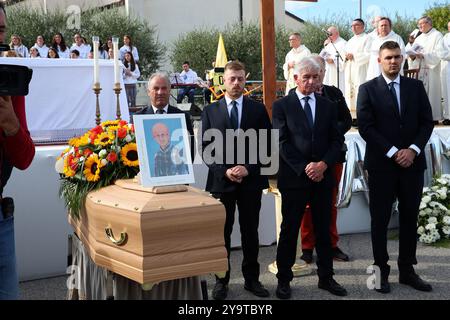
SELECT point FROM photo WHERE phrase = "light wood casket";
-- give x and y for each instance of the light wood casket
(164, 236)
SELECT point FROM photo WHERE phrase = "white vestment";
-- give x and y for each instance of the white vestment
(443, 53)
(430, 68)
(329, 52)
(294, 55)
(356, 69)
(373, 69)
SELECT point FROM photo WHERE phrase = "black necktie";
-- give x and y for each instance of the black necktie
(234, 115)
(160, 111)
(308, 112)
(394, 95)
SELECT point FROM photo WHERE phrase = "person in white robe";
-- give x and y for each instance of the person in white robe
(443, 53)
(422, 55)
(385, 33)
(332, 44)
(357, 60)
(293, 57)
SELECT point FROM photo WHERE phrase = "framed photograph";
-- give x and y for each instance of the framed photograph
(163, 149)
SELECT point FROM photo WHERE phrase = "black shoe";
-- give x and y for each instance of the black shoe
(446, 122)
(220, 291)
(436, 122)
(332, 286)
(339, 255)
(307, 255)
(385, 287)
(283, 290)
(413, 280)
(256, 288)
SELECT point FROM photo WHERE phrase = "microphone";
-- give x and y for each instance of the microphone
(327, 32)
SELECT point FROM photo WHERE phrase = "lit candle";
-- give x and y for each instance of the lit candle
(115, 42)
(95, 42)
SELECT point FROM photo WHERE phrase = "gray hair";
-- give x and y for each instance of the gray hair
(159, 74)
(427, 19)
(307, 64)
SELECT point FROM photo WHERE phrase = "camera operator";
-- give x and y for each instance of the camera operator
(16, 150)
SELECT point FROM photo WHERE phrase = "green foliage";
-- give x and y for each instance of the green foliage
(440, 14)
(199, 47)
(29, 23)
(403, 26)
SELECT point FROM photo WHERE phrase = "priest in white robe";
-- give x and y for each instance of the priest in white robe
(356, 63)
(423, 55)
(293, 57)
(385, 33)
(443, 53)
(334, 61)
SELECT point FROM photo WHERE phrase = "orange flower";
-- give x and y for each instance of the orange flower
(121, 132)
(112, 157)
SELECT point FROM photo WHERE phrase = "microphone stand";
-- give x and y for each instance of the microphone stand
(338, 56)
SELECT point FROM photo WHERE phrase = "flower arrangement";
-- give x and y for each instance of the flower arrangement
(96, 159)
(434, 213)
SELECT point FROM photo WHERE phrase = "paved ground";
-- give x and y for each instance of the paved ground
(434, 266)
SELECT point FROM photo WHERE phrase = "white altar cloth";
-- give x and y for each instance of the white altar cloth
(61, 95)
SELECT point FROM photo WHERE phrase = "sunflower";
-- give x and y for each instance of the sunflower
(92, 168)
(104, 139)
(110, 123)
(129, 155)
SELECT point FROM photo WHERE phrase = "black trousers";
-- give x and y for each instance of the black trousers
(384, 188)
(294, 201)
(249, 205)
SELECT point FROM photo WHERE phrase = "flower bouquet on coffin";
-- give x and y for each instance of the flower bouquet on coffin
(434, 213)
(96, 159)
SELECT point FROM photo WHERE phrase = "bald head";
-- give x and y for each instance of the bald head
(160, 133)
(334, 32)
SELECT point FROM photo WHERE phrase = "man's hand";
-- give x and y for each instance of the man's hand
(291, 64)
(8, 119)
(330, 61)
(315, 170)
(239, 171)
(349, 56)
(229, 174)
(405, 157)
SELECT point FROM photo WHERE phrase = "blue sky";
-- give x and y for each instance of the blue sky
(328, 8)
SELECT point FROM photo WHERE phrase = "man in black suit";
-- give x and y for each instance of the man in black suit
(395, 120)
(310, 144)
(344, 124)
(236, 178)
(159, 94)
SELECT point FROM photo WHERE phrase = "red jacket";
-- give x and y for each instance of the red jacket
(18, 149)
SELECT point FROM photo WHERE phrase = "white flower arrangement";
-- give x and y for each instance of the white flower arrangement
(434, 211)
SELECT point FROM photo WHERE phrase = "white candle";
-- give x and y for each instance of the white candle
(95, 42)
(115, 42)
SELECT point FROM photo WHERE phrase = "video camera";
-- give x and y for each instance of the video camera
(14, 80)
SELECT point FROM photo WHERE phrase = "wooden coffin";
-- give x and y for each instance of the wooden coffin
(150, 237)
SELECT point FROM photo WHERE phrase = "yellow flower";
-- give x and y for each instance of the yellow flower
(110, 123)
(129, 155)
(68, 167)
(92, 168)
(104, 139)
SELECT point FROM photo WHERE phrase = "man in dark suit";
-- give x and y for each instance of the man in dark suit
(395, 120)
(310, 144)
(159, 93)
(344, 124)
(236, 178)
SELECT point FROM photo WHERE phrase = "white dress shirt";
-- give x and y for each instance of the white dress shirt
(311, 102)
(166, 109)
(239, 101)
(394, 149)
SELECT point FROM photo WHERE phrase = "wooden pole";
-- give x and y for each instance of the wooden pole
(268, 53)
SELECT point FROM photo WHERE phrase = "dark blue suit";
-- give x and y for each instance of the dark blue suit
(382, 126)
(300, 145)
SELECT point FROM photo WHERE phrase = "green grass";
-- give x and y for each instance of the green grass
(445, 243)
